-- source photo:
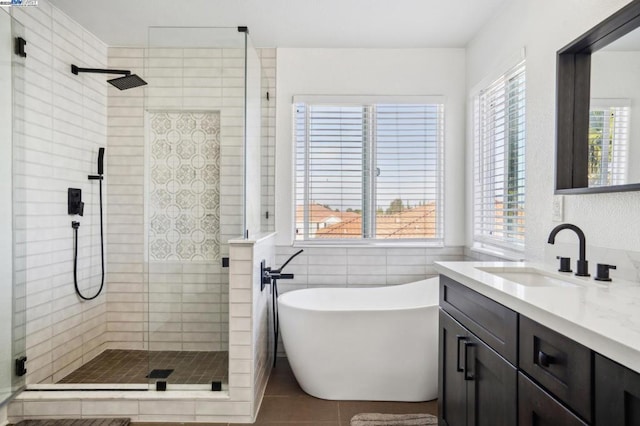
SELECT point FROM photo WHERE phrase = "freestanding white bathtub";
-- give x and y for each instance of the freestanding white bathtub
(376, 344)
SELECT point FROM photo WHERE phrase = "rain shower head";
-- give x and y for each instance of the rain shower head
(128, 81)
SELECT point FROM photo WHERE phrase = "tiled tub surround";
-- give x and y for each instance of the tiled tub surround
(602, 317)
(340, 266)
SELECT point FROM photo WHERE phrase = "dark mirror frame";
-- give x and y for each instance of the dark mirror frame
(572, 103)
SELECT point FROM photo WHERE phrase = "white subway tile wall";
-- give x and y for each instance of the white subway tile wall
(188, 301)
(249, 353)
(61, 121)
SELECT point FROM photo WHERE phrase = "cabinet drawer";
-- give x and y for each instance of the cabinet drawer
(563, 367)
(536, 407)
(493, 323)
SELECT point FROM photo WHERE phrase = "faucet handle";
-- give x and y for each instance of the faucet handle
(602, 272)
(565, 264)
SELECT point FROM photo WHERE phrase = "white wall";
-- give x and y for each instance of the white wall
(372, 72)
(60, 124)
(610, 221)
(369, 72)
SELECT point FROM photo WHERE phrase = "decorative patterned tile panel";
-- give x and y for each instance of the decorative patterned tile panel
(184, 186)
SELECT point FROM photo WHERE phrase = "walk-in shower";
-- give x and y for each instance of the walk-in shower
(182, 156)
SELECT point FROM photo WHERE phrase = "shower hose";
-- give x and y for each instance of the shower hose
(75, 225)
(276, 319)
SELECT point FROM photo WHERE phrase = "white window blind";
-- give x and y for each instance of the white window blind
(499, 162)
(608, 142)
(368, 170)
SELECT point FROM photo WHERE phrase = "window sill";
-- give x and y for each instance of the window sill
(368, 244)
(509, 255)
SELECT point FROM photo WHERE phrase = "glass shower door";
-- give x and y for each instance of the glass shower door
(194, 191)
(12, 284)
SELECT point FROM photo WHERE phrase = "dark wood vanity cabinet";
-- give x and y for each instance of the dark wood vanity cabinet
(558, 364)
(617, 394)
(536, 407)
(478, 385)
(498, 367)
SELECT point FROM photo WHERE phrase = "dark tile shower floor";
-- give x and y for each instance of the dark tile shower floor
(129, 366)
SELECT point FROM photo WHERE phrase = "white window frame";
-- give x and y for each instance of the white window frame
(369, 222)
(491, 130)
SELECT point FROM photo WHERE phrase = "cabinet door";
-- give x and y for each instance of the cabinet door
(452, 393)
(617, 394)
(476, 385)
(537, 408)
(491, 386)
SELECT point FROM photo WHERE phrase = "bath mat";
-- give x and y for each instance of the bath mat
(377, 419)
(116, 421)
(159, 374)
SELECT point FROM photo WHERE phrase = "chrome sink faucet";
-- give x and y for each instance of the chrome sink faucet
(582, 264)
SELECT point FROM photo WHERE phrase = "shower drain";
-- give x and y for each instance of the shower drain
(159, 374)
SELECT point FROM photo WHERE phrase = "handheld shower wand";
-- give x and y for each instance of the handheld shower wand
(100, 166)
(100, 161)
(75, 225)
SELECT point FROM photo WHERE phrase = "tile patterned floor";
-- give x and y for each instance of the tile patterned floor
(285, 404)
(129, 366)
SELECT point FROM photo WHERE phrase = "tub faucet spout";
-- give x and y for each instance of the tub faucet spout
(582, 264)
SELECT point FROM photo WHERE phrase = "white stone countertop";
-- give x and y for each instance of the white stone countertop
(602, 316)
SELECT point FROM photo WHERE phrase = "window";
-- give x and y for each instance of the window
(499, 162)
(608, 139)
(368, 170)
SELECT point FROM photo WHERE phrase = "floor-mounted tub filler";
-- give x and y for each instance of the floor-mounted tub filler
(376, 344)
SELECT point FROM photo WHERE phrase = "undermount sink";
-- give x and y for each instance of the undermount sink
(532, 277)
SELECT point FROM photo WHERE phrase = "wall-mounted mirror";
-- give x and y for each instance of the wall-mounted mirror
(598, 107)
